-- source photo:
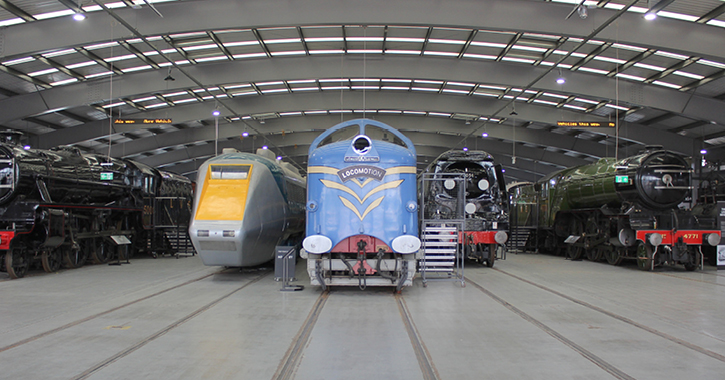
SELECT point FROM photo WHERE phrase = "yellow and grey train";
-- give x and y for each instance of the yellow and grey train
(244, 206)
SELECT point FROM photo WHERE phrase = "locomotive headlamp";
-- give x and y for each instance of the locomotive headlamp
(470, 208)
(449, 184)
(500, 237)
(655, 239)
(406, 244)
(713, 239)
(483, 185)
(317, 244)
(311, 206)
(411, 206)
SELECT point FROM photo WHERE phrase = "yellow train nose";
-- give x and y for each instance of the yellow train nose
(224, 194)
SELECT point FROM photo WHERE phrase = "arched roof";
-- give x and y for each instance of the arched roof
(444, 73)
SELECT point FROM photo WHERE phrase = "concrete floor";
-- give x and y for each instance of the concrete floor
(531, 317)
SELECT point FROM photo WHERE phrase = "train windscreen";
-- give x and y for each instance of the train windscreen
(229, 171)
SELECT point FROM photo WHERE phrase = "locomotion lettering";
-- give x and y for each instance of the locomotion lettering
(361, 171)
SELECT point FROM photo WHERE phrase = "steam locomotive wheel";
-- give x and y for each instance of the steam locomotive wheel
(644, 256)
(74, 257)
(694, 256)
(596, 253)
(614, 256)
(51, 260)
(17, 262)
(491, 255)
(102, 252)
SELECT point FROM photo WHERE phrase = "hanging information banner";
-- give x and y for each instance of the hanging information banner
(142, 121)
(586, 124)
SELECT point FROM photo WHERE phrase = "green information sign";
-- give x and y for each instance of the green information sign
(107, 176)
(621, 179)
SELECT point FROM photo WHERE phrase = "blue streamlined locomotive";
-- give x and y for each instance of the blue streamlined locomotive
(362, 212)
(245, 205)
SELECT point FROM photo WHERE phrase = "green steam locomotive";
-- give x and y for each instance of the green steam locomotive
(616, 210)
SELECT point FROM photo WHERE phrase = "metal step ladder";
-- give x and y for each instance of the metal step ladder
(179, 241)
(517, 242)
(442, 259)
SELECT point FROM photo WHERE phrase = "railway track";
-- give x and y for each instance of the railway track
(90, 371)
(291, 360)
(100, 314)
(661, 334)
(601, 363)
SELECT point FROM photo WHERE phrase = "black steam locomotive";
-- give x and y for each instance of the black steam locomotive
(485, 200)
(616, 210)
(63, 207)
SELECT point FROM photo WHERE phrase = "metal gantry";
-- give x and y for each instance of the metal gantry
(442, 257)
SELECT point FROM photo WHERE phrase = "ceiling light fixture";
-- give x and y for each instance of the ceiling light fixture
(649, 16)
(560, 79)
(484, 134)
(582, 11)
(703, 151)
(169, 77)
(216, 112)
(78, 15)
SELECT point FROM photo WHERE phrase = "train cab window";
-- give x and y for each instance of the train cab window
(230, 171)
(377, 133)
(371, 131)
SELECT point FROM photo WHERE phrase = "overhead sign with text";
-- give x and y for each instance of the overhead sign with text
(586, 124)
(142, 121)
